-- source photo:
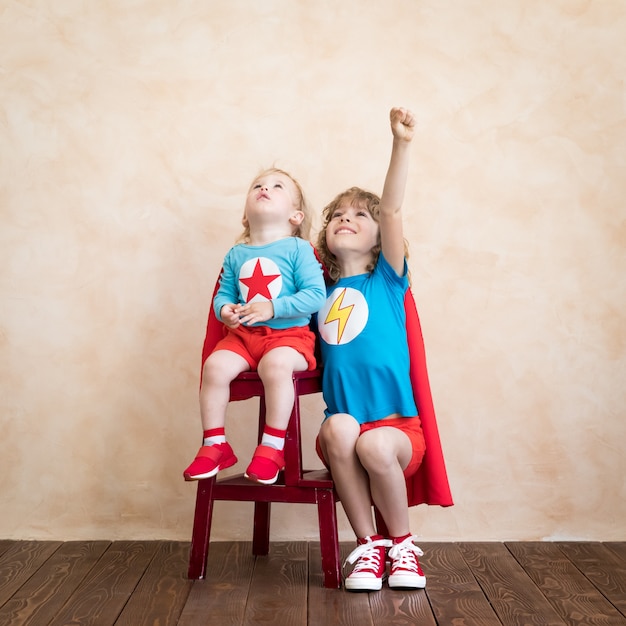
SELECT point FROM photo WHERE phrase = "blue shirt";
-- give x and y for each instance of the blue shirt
(364, 346)
(286, 272)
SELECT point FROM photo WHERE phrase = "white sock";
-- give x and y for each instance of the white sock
(272, 441)
(211, 440)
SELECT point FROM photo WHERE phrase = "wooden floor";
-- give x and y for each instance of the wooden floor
(144, 582)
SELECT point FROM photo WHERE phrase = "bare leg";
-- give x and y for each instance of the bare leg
(276, 371)
(219, 370)
(338, 438)
(384, 453)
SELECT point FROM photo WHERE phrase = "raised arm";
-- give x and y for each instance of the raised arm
(391, 232)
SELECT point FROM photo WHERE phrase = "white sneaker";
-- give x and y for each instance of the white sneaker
(369, 571)
(406, 572)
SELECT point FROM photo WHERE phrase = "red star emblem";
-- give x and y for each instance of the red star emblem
(258, 283)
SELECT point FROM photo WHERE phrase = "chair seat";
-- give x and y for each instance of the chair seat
(240, 488)
(249, 385)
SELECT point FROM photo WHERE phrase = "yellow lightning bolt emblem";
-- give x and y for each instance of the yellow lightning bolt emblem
(340, 314)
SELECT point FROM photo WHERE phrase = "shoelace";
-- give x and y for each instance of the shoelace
(403, 554)
(367, 555)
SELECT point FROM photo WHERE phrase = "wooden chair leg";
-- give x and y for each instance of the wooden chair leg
(201, 533)
(261, 531)
(329, 538)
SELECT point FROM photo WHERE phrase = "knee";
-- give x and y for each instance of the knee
(210, 372)
(216, 372)
(272, 369)
(338, 435)
(376, 455)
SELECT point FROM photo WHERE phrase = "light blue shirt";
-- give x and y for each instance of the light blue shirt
(286, 272)
(364, 346)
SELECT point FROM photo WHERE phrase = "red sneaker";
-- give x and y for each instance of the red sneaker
(369, 572)
(210, 460)
(406, 572)
(265, 465)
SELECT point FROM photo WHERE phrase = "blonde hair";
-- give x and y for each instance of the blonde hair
(302, 230)
(356, 197)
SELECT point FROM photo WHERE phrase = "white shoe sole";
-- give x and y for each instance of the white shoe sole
(364, 584)
(189, 477)
(271, 481)
(407, 581)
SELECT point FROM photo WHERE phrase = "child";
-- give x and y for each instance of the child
(270, 286)
(371, 438)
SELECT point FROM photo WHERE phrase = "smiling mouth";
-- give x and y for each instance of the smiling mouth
(344, 231)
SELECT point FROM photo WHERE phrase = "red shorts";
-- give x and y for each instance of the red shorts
(252, 342)
(410, 426)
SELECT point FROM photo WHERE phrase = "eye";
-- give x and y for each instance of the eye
(279, 185)
(256, 186)
(362, 213)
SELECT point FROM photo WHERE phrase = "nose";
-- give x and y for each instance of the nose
(345, 218)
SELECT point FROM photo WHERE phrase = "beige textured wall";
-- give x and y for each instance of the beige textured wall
(129, 131)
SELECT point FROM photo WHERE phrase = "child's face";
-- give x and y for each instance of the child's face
(273, 198)
(351, 229)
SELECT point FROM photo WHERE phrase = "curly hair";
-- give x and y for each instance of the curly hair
(357, 197)
(303, 230)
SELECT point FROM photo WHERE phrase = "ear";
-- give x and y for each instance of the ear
(296, 218)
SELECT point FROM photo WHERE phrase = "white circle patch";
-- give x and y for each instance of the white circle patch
(260, 280)
(343, 316)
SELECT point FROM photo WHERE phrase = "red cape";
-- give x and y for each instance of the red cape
(214, 331)
(429, 485)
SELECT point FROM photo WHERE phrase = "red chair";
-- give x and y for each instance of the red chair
(294, 484)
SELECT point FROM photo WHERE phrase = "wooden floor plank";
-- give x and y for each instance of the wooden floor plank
(454, 594)
(161, 594)
(220, 600)
(469, 584)
(20, 561)
(397, 606)
(573, 596)
(43, 595)
(602, 566)
(618, 547)
(279, 587)
(515, 598)
(101, 597)
(5, 544)
(334, 606)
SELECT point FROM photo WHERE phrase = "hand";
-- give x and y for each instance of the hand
(402, 123)
(229, 315)
(255, 312)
